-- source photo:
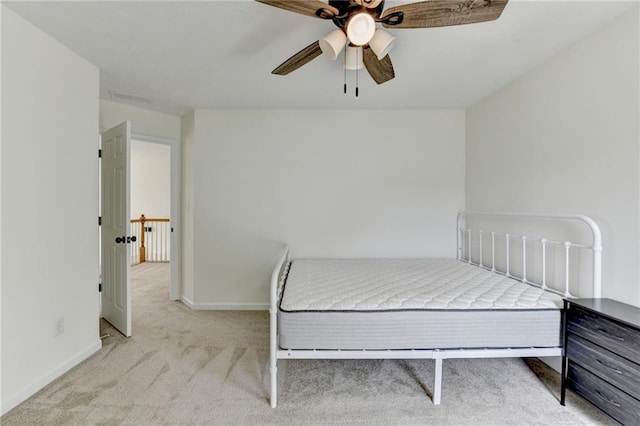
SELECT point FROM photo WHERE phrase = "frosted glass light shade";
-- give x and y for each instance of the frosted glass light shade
(353, 58)
(360, 28)
(333, 43)
(382, 43)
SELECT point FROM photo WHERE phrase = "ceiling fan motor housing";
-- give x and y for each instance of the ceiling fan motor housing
(347, 8)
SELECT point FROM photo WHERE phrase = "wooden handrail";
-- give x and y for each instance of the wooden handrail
(146, 219)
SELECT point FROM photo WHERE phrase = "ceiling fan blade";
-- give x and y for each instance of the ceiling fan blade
(442, 13)
(380, 70)
(314, 8)
(301, 58)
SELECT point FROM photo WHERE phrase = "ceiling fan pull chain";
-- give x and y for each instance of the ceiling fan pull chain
(345, 69)
(357, 66)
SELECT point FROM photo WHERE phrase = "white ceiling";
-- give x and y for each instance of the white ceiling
(219, 54)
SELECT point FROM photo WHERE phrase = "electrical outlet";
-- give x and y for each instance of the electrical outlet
(58, 326)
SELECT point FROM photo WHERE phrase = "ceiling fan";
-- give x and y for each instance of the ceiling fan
(368, 46)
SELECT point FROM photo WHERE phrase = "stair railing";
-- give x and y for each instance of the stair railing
(153, 240)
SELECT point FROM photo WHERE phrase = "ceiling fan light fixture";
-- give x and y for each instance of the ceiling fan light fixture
(333, 43)
(382, 43)
(353, 58)
(360, 28)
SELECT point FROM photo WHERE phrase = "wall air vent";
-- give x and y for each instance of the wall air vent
(121, 96)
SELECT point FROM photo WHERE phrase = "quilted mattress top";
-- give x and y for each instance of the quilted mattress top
(405, 284)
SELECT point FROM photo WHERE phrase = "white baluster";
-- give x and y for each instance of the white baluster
(155, 241)
(164, 241)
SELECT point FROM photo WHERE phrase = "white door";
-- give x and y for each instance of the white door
(116, 281)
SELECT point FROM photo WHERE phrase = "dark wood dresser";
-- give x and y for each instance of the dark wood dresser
(601, 360)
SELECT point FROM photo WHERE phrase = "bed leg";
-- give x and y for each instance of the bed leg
(437, 386)
(273, 396)
(273, 357)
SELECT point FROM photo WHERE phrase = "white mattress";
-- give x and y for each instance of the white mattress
(412, 304)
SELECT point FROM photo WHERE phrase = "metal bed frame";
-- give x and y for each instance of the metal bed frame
(282, 267)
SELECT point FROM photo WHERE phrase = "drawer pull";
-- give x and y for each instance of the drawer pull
(603, 396)
(615, 370)
(613, 336)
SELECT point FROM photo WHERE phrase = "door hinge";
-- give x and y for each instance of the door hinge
(99, 153)
(172, 229)
(99, 220)
(100, 287)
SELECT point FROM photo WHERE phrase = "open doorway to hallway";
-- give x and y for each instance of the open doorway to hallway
(152, 174)
(150, 212)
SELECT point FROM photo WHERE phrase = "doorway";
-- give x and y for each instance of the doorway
(115, 172)
(164, 200)
(150, 214)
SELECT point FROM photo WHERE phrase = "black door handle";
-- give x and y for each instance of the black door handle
(127, 240)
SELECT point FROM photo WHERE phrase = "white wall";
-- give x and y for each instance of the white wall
(143, 121)
(49, 209)
(328, 183)
(150, 179)
(565, 138)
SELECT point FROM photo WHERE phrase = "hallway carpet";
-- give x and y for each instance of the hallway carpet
(210, 367)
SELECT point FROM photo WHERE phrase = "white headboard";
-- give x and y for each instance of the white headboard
(475, 243)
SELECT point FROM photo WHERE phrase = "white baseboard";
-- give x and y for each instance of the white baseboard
(187, 302)
(225, 306)
(33, 387)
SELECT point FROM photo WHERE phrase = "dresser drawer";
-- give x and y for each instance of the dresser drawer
(617, 338)
(616, 370)
(609, 399)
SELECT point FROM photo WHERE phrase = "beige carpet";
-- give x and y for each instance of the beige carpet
(205, 367)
